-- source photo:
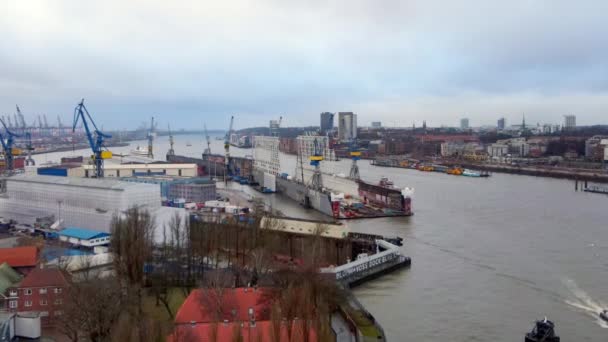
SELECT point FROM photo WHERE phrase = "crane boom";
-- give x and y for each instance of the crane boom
(96, 137)
(46, 123)
(21, 118)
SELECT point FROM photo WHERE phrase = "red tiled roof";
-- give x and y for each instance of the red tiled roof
(227, 332)
(19, 256)
(42, 277)
(211, 305)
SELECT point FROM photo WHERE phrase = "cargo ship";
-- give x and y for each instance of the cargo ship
(375, 200)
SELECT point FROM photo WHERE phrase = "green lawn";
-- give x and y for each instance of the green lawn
(176, 299)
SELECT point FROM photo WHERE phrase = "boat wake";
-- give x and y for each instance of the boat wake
(581, 301)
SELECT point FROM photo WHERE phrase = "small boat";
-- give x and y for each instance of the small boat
(139, 151)
(470, 173)
(543, 331)
(604, 315)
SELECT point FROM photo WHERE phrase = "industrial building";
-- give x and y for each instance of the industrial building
(347, 126)
(198, 189)
(153, 169)
(82, 202)
(84, 237)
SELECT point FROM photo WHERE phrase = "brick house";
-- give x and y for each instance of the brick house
(41, 290)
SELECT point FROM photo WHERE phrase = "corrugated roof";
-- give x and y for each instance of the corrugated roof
(19, 256)
(8, 277)
(41, 277)
(106, 183)
(82, 234)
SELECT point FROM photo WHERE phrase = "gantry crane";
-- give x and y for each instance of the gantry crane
(46, 123)
(227, 149)
(208, 149)
(7, 145)
(96, 138)
(315, 160)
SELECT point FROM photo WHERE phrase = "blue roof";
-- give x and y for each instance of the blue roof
(82, 234)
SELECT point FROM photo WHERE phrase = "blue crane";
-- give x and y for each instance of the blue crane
(96, 138)
(315, 160)
(7, 145)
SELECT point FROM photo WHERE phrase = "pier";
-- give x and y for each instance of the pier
(369, 267)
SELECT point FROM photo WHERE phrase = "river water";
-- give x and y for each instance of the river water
(489, 256)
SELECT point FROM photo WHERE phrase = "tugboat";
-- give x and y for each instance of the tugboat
(604, 315)
(543, 331)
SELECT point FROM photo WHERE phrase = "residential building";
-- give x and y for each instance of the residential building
(501, 124)
(42, 290)
(569, 122)
(459, 148)
(498, 150)
(84, 237)
(236, 313)
(376, 124)
(464, 123)
(327, 122)
(21, 259)
(595, 146)
(347, 126)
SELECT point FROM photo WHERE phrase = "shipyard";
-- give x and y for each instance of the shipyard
(303, 172)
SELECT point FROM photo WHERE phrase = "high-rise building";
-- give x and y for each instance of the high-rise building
(464, 123)
(569, 122)
(376, 124)
(347, 126)
(327, 122)
(501, 124)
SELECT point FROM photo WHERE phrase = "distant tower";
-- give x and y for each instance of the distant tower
(327, 122)
(424, 126)
(501, 124)
(523, 122)
(569, 122)
(464, 123)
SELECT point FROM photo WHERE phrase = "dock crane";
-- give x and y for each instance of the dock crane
(29, 161)
(46, 123)
(227, 149)
(171, 151)
(355, 154)
(10, 123)
(7, 145)
(151, 135)
(95, 138)
(208, 149)
(59, 124)
(315, 160)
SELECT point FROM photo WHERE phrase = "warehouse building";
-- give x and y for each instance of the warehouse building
(199, 189)
(81, 202)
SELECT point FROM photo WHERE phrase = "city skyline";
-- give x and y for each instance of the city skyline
(200, 62)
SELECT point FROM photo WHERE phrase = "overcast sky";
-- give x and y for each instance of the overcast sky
(199, 61)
